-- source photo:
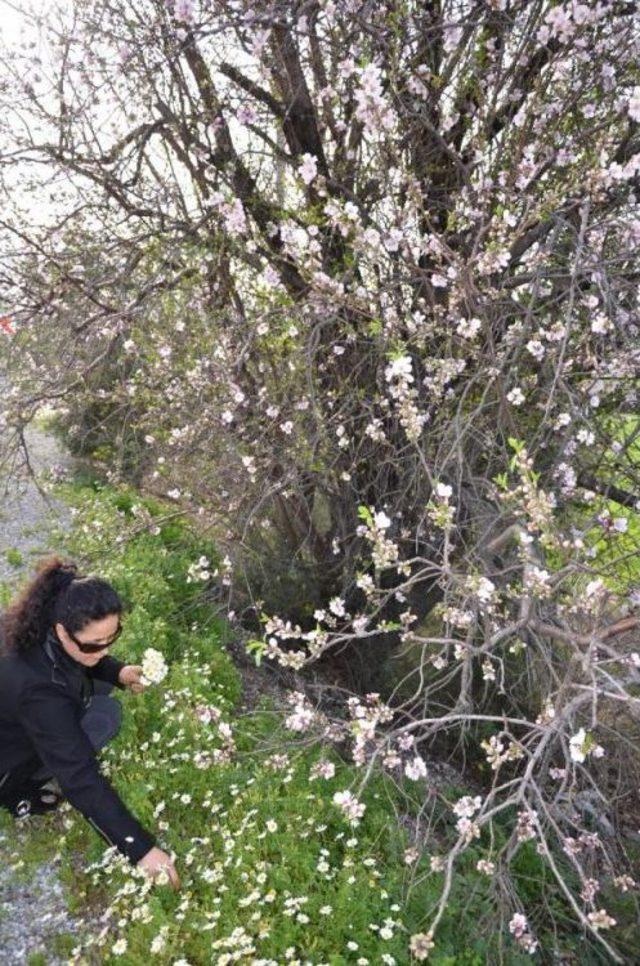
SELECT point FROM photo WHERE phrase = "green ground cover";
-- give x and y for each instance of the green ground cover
(271, 870)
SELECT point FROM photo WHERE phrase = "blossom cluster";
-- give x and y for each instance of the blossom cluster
(497, 752)
(465, 808)
(365, 718)
(519, 929)
(399, 378)
(350, 806)
(199, 570)
(154, 667)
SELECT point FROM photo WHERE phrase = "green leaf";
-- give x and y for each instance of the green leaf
(258, 647)
(516, 444)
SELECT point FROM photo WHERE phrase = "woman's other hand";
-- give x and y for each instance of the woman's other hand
(130, 675)
(155, 862)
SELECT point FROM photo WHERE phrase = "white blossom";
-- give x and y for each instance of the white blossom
(601, 919)
(469, 328)
(381, 520)
(308, 169)
(443, 490)
(577, 746)
(154, 668)
(399, 368)
(415, 768)
(633, 105)
(536, 348)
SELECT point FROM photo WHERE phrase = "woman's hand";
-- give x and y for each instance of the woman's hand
(130, 676)
(155, 862)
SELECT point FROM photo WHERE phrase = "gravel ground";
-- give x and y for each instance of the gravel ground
(32, 912)
(25, 514)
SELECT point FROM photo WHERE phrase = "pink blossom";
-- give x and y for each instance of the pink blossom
(518, 925)
(350, 805)
(183, 10)
(235, 219)
(415, 768)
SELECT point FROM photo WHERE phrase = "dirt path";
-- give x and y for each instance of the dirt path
(25, 516)
(31, 912)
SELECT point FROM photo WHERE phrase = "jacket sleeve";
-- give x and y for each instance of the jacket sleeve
(51, 720)
(107, 669)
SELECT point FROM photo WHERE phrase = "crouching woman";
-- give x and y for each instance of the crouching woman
(55, 708)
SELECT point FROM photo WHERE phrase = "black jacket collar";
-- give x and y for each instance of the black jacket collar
(57, 653)
(64, 666)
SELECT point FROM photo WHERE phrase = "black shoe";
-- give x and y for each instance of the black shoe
(31, 799)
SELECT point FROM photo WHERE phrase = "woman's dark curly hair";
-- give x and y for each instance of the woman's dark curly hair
(55, 595)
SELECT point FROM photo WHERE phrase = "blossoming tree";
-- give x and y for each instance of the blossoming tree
(359, 281)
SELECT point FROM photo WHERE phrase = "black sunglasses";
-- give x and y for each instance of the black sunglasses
(90, 647)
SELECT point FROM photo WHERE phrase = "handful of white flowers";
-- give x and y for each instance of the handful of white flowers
(154, 668)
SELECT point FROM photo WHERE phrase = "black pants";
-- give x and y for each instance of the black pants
(101, 722)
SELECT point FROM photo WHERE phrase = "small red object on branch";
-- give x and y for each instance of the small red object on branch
(5, 324)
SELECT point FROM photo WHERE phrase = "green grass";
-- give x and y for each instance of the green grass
(14, 557)
(617, 553)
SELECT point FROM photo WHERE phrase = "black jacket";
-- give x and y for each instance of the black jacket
(43, 696)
